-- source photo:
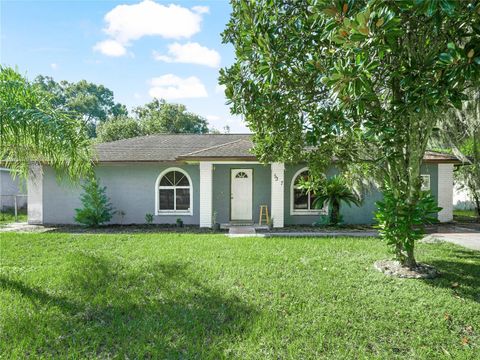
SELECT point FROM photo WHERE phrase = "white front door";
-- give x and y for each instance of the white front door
(241, 194)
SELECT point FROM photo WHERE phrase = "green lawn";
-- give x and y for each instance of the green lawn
(468, 214)
(9, 217)
(208, 296)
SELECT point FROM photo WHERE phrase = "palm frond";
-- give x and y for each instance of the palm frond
(33, 131)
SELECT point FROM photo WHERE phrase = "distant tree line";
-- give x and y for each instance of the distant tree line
(157, 116)
(107, 120)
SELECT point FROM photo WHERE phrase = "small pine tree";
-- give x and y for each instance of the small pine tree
(96, 205)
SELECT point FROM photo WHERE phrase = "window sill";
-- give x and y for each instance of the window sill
(307, 212)
(174, 213)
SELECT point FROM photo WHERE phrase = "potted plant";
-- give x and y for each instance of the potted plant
(216, 225)
(179, 222)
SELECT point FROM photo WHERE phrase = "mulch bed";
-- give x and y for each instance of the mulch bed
(119, 229)
(394, 268)
(316, 229)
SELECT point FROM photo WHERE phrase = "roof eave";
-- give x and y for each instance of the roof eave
(217, 158)
(443, 161)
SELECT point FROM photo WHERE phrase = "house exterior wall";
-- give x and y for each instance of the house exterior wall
(445, 192)
(221, 189)
(432, 170)
(351, 215)
(131, 188)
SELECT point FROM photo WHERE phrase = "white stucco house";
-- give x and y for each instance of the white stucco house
(201, 177)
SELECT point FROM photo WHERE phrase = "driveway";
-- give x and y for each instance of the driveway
(461, 236)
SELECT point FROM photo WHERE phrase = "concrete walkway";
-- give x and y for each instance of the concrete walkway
(469, 239)
(242, 231)
(23, 227)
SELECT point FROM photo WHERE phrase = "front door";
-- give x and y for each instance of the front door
(241, 194)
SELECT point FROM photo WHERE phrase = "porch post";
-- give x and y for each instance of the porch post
(206, 180)
(445, 192)
(277, 194)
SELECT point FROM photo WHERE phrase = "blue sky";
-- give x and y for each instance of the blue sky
(138, 49)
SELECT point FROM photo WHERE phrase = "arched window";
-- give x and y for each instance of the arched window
(301, 202)
(173, 193)
(241, 175)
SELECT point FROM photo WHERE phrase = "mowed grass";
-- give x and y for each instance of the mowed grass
(185, 296)
(465, 214)
(8, 217)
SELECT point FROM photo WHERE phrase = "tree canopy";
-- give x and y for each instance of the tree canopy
(33, 130)
(96, 107)
(362, 80)
(92, 103)
(122, 127)
(158, 116)
(155, 117)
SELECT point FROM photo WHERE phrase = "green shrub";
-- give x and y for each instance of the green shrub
(149, 218)
(401, 224)
(96, 205)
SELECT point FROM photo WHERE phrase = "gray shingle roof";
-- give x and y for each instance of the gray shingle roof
(240, 148)
(172, 147)
(169, 147)
(433, 156)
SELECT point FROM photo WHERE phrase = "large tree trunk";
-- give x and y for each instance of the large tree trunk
(476, 163)
(477, 204)
(403, 172)
(410, 258)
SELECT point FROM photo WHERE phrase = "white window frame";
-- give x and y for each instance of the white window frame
(428, 181)
(188, 212)
(294, 211)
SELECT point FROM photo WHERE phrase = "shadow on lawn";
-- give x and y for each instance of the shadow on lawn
(113, 310)
(460, 271)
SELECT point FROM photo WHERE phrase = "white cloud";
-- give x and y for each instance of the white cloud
(110, 48)
(201, 9)
(131, 22)
(171, 87)
(235, 123)
(54, 66)
(190, 53)
(212, 118)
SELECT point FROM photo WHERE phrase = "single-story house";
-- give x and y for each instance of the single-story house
(205, 178)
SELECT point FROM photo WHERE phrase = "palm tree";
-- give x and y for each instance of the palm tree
(334, 191)
(33, 131)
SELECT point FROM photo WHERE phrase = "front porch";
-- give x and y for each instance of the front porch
(231, 193)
